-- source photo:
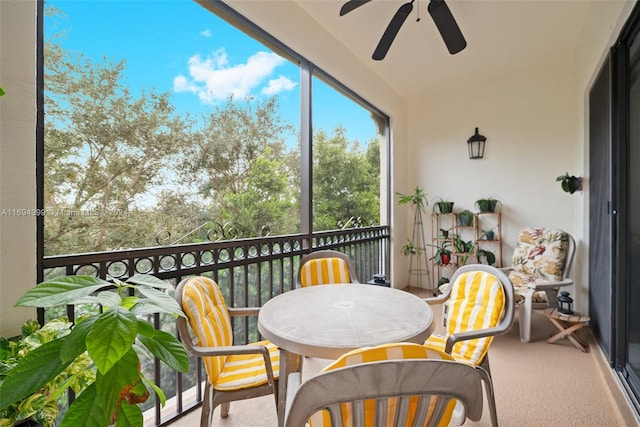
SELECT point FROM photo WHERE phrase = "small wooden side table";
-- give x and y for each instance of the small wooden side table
(568, 325)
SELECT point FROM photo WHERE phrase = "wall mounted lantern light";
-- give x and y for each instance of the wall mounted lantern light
(476, 145)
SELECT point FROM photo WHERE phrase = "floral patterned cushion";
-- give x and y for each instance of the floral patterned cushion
(540, 256)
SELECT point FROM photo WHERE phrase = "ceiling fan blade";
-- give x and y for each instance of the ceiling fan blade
(447, 26)
(392, 30)
(351, 5)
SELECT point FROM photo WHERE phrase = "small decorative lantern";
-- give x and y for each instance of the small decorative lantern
(565, 303)
(476, 145)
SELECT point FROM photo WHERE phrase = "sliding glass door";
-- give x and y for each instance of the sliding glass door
(631, 353)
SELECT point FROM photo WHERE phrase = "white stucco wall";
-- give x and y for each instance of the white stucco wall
(17, 159)
(530, 123)
(535, 121)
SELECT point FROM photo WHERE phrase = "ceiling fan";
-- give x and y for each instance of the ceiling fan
(440, 14)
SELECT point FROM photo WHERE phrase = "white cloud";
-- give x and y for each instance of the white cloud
(278, 85)
(206, 33)
(214, 78)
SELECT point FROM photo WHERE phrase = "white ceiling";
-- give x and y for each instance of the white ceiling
(502, 35)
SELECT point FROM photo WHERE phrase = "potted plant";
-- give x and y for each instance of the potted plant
(443, 254)
(41, 406)
(487, 204)
(418, 198)
(442, 281)
(463, 247)
(443, 206)
(113, 339)
(444, 234)
(570, 183)
(488, 234)
(489, 256)
(410, 249)
(465, 218)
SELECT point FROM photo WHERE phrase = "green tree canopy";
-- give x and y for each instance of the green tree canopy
(346, 183)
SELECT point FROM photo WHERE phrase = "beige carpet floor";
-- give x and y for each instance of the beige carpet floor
(536, 384)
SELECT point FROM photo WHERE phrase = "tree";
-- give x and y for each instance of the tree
(346, 183)
(267, 205)
(104, 148)
(232, 138)
(127, 170)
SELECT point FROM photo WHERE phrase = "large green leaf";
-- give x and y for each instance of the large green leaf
(158, 390)
(111, 387)
(148, 280)
(64, 290)
(164, 346)
(86, 411)
(75, 343)
(111, 337)
(109, 298)
(158, 302)
(129, 416)
(33, 371)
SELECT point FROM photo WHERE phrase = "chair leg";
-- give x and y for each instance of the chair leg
(524, 315)
(224, 409)
(206, 414)
(491, 400)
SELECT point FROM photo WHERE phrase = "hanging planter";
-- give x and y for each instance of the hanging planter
(570, 183)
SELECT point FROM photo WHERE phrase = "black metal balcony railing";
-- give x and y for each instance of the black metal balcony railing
(248, 271)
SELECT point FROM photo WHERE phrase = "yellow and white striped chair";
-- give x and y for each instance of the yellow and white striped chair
(234, 372)
(326, 267)
(392, 385)
(479, 305)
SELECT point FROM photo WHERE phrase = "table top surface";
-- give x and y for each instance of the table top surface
(326, 321)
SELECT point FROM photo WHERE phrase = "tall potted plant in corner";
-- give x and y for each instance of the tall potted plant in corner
(418, 198)
(113, 339)
(417, 243)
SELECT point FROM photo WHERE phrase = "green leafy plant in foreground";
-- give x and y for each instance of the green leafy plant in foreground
(110, 340)
(41, 406)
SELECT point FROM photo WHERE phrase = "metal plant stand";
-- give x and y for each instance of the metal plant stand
(419, 271)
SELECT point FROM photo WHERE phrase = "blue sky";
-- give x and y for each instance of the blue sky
(178, 46)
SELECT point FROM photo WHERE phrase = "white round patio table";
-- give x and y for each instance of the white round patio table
(327, 321)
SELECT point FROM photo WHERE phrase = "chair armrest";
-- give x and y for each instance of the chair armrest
(228, 350)
(235, 350)
(293, 384)
(550, 285)
(243, 311)
(469, 335)
(440, 299)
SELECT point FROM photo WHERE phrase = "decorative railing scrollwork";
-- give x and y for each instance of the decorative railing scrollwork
(212, 231)
(354, 222)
